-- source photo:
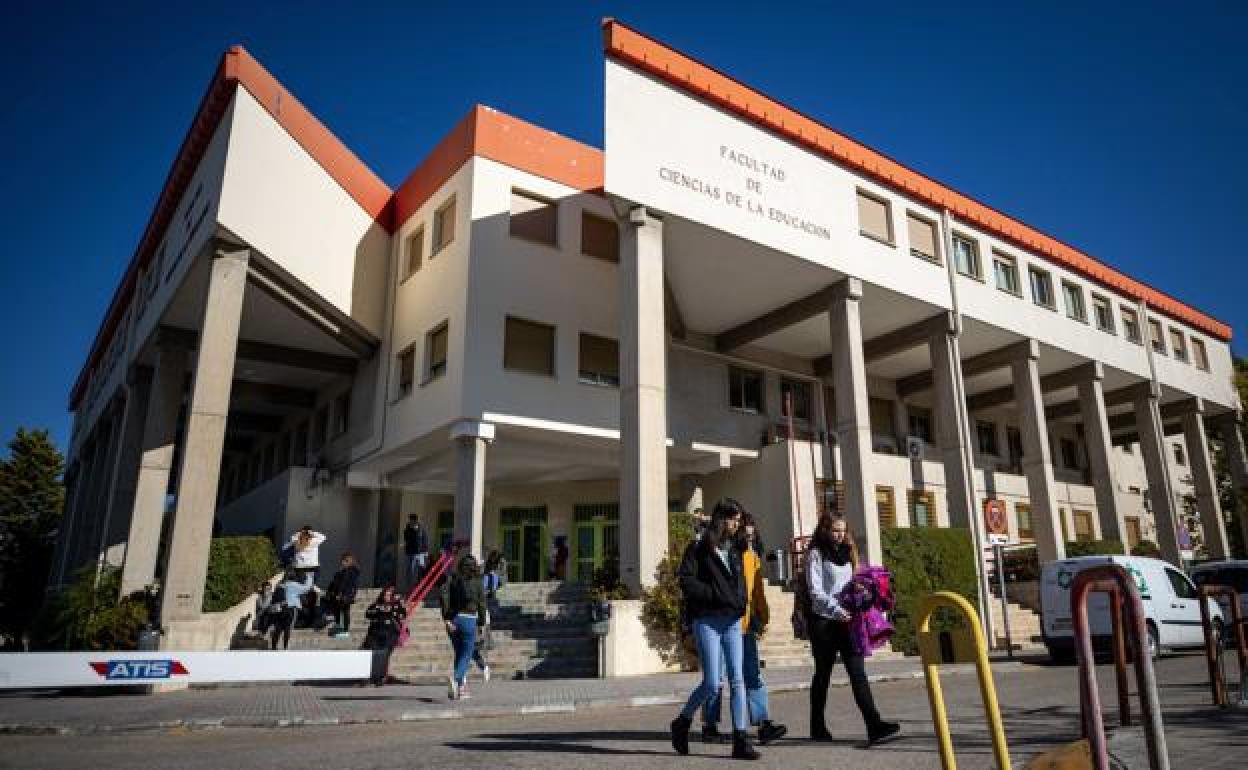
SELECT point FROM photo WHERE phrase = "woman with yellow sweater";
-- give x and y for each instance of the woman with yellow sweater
(753, 625)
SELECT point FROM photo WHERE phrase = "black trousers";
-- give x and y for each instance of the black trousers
(828, 639)
(281, 624)
(381, 641)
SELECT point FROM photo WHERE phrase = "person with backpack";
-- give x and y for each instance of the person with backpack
(463, 612)
(341, 595)
(712, 579)
(385, 621)
(831, 560)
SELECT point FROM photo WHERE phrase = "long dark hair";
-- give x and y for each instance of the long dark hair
(468, 567)
(743, 538)
(822, 541)
(717, 530)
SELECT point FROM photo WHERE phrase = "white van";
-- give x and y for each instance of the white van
(1171, 605)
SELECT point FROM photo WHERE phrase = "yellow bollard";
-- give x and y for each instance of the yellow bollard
(929, 651)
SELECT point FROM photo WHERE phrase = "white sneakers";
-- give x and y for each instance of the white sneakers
(485, 674)
(452, 692)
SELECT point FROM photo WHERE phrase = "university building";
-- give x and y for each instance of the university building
(531, 339)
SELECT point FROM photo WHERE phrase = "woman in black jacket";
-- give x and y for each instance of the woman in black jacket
(341, 595)
(713, 583)
(385, 622)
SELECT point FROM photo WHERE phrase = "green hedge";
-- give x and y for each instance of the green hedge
(236, 566)
(925, 560)
(89, 615)
(1146, 548)
(1094, 548)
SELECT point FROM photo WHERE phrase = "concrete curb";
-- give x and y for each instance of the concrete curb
(434, 714)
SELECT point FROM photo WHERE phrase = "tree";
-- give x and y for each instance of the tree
(32, 498)
(1234, 501)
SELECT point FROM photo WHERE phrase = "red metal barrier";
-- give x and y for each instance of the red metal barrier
(1113, 579)
(422, 588)
(1216, 681)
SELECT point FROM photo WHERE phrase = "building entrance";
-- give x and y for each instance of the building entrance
(597, 539)
(523, 533)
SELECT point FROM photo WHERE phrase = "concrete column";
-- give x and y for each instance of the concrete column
(86, 533)
(643, 400)
(955, 451)
(853, 418)
(1096, 436)
(160, 426)
(471, 438)
(1201, 464)
(200, 463)
(1037, 462)
(126, 468)
(89, 461)
(75, 483)
(1237, 461)
(1153, 448)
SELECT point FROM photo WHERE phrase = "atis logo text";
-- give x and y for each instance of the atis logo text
(122, 670)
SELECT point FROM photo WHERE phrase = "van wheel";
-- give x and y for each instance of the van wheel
(1154, 642)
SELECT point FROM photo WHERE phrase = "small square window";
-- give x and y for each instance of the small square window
(600, 237)
(1156, 336)
(1041, 288)
(1005, 269)
(966, 257)
(1200, 356)
(435, 346)
(1179, 457)
(923, 239)
(1104, 313)
(1070, 454)
(1022, 514)
(415, 252)
(1072, 294)
(444, 226)
(406, 362)
(534, 218)
(529, 346)
(875, 219)
(1178, 343)
(799, 392)
(986, 432)
(745, 390)
(599, 361)
(1131, 325)
(922, 508)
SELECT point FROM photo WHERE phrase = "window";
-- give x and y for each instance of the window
(745, 390)
(799, 392)
(444, 226)
(1083, 526)
(966, 257)
(534, 218)
(1178, 343)
(1022, 513)
(920, 423)
(1179, 458)
(922, 508)
(1127, 450)
(342, 412)
(1070, 453)
(1200, 356)
(407, 370)
(529, 347)
(1134, 534)
(600, 237)
(875, 220)
(1104, 314)
(436, 343)
(886, 507)
(986, 432)
(1183, 587)
(1131, 325)
(1156, 337)
(415, 252)
(1073, 297)
(1005, 269)
(922, 237)
(599, 361)
(1041, 288)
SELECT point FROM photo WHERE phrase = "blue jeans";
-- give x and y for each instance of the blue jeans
(755, 687)
(719, 649)
(464, 640)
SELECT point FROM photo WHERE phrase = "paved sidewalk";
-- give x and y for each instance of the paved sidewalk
(104, 711)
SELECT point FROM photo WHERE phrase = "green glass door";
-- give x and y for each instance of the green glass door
(523, 534)
(445, 532)
(597, 539)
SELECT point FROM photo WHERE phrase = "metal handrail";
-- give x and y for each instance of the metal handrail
(1113, 579)
(1216, 680)
(987, 689)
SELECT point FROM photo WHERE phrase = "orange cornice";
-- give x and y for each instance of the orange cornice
(488, 133)
(632, 47)
(237, 68)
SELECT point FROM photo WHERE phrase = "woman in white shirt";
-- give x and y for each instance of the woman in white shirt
(830, 563)
(307, 560)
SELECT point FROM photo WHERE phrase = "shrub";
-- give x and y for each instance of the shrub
(661, 603)
(1146, 548)
(605, 584)
(1094, 548)
(87, 615)
(236, 565)
(925, 560)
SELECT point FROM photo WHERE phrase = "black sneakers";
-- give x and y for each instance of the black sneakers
(711, 734)
(769, 731)
(741, 746)
(680, 735)
(882, 733)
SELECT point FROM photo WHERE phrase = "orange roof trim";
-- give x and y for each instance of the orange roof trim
(645, 53)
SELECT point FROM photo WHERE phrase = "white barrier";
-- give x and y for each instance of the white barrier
(88, 669)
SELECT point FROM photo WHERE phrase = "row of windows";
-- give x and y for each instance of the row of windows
(875, 222)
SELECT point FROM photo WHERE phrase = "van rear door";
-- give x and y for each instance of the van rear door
(1181, 613)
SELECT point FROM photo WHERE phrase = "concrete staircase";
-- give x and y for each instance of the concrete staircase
(539, 630)
(1024, 625)
(779, 648)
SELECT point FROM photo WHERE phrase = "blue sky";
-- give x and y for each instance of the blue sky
(1118, 129)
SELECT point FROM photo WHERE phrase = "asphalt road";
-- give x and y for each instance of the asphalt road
(1039, 705)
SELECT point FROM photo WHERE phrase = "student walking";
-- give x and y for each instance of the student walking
(341, 595)
(416, 547)
(385, 620)
(307, 555)
(463, 611)
(495, 573)
(712, 579)
(830, 563)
